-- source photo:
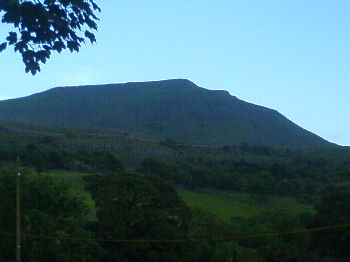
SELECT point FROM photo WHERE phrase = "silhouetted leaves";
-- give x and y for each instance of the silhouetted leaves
(45, 26)
(3, 47)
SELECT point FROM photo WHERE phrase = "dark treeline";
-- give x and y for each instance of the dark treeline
(299, 179)
(47, 157)
(301, 176)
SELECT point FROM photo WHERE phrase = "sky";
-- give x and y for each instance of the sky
(290, 55)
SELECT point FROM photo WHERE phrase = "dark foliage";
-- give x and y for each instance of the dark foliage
(134, 206)
(49, 208)
(278, 248)
(334, 209)
(295, 179)
(46, 26)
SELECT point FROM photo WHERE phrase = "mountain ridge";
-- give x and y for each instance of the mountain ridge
(176, 109)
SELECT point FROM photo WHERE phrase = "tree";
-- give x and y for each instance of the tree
(334, 209)
(206, 225)
(288, 247)
(107, 161)
(232, 251)
(46, 26)
(158, 168)
(244, 147)
(49, 208)
(134, 206)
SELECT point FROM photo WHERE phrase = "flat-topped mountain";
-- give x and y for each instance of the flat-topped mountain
(176, 109)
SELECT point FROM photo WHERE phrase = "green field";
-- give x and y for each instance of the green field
(223, 207)
(284, 204)
(226, 207)
(77, 183)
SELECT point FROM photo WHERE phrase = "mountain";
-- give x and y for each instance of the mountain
(176, 109)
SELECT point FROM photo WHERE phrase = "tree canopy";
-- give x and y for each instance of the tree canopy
(49, 207)
(334, 209)
(134, 206)
(45, 26)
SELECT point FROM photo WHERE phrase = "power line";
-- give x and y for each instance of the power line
(261, 235)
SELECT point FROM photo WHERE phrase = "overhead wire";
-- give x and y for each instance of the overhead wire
(260, 235)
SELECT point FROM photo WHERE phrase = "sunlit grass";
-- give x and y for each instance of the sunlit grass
(77, 185)
(246, 205)
(223, 207)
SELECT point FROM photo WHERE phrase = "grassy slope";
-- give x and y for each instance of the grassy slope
(134, 147)
(131, 147)
(284, 204)
(226, 207)
(176, 109)
(221, 206)
(75, 179)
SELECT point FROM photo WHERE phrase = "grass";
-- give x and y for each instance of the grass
(284, 204)
(223, 207)
(226, 207)
(77, 183)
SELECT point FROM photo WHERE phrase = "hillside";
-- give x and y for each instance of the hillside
(176, 109)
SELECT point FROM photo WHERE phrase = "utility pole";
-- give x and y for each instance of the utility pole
(18, 216)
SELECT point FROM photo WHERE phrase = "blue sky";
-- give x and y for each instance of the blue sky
(293, 56)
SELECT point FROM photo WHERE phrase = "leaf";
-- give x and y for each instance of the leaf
(12, 38)
(48, 25)
(59, 46)
(26, 36)
(95, 6)
(21, 46)
(3, 47)
(42, 56)
(91, 36)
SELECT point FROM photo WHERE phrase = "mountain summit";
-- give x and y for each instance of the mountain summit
(176, 109)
